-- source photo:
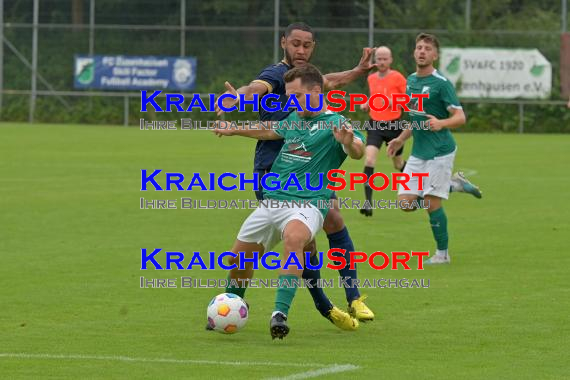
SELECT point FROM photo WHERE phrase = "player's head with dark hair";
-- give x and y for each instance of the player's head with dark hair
(298, 26)
(429, 39)
(426, 51)
(303, 80)
(298, 43)
(309, 75)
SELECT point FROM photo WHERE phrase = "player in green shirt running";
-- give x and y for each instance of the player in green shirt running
(433, 150)
(310, 150)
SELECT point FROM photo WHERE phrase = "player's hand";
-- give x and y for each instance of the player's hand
(345, 135)
(393, 146)
(435, 124)
(365, 64)
(364, 107)
(221, 128)
(227, 102)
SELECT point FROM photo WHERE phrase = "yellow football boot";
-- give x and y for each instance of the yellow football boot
(342, 319)
(360, 311)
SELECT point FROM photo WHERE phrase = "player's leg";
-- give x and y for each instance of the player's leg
(321, 301)
(338, 236)
(398, 160)
(338, 317)
(298, 227)
(238, 280)
(255, 233)
(239, 276)
(407, 202)
(460, 184)
(373, 143)
(438, 222)
(437, 189)
(408, 197)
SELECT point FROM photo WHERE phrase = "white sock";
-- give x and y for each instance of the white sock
(456, 185)
(277, 312)
(441, 252)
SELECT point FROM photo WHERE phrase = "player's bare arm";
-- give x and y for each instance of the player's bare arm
(336, 80)
(457, 119)
(395, 144)
(248, 91)
(259, 131)
(353, 146)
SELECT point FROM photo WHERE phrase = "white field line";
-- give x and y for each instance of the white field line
(469, 172)
(324, 367)
(335, 368)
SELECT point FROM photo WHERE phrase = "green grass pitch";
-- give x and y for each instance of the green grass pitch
(71, 232)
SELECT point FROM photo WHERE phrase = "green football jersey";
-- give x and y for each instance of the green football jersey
(442, 97)
(309, 147)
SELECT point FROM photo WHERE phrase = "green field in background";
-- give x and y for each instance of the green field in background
(71, 232)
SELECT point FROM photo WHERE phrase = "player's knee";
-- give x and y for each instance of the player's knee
(233, 260)
(407, 208)
(246, 267)
(432, 203)
(295, 239)
(407, 203)
(333, 222)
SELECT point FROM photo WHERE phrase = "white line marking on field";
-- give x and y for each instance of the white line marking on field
(469, 172)
(158, 360)
(337, 368)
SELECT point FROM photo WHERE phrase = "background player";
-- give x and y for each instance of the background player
(298, 43)
(386, 81)
(298, 226)
(433, 151)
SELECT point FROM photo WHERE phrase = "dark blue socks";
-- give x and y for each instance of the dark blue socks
(342, 240)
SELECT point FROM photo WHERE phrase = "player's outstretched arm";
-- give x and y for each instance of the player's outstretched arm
(248, 92)
(352, 146)
(336, 80)
(255, 131)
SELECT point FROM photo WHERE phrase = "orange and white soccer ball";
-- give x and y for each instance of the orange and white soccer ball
(227, 313)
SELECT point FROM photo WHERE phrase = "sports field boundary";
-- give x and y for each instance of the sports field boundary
(323, 369)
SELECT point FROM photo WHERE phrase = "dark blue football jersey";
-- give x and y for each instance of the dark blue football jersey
(272, 77)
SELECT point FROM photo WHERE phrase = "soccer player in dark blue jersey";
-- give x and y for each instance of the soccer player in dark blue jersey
(298, 43)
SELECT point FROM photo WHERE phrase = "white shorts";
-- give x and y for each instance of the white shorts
(266, 224)
(439, 180)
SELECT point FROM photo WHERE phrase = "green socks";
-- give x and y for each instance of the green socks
(286, 292)
(237, 290)
(438, 221)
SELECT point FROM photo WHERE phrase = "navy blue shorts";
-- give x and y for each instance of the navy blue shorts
(259, 191)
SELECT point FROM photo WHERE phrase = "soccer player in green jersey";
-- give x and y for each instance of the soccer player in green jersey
(309, 149)
(298, 43)
(433, 150)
